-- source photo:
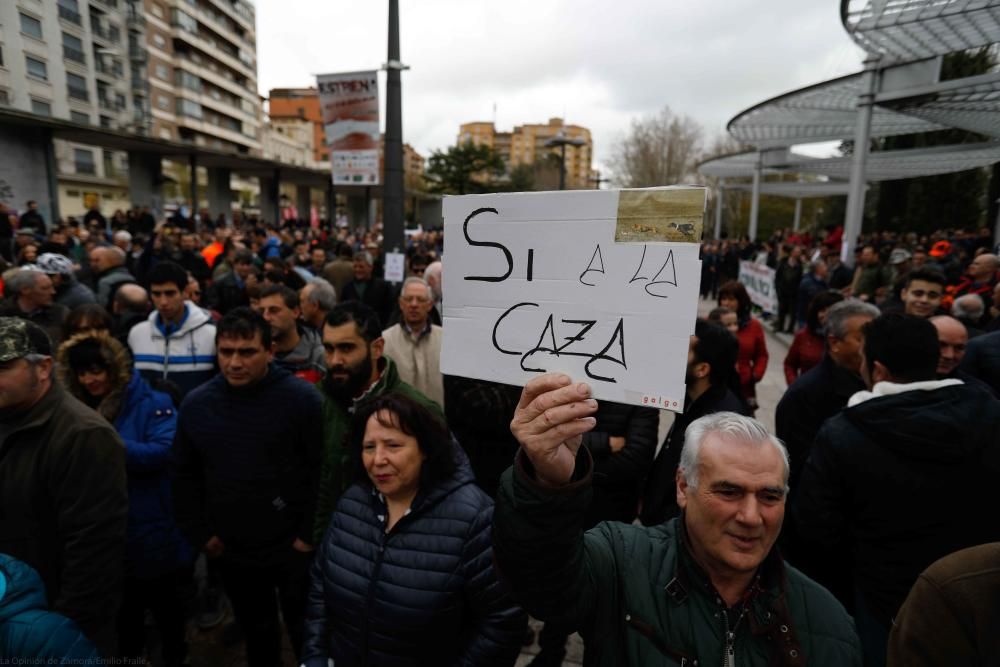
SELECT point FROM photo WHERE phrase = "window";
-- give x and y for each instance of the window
(165, 133)
(163, 102)
(106, 122)
(159, 40)
(1, 55)
(188, 80)
(69, 10)
(157, 11)
(31, 26)
(162, 72)
(79, 117)
(4, 97)
(185, 21)
(41, 107)
(77, 86)
(188, 108)
(83, 160)
(73, 48)
(37, 68)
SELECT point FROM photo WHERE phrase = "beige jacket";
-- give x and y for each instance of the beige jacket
(418, 362)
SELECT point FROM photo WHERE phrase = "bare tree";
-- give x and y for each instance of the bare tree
(660, 149)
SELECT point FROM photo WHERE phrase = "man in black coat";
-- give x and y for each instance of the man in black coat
(982, 359)
(246, 463)
(369, 289)
(902, 476)
(230, 290)
(63, 496)
(823, 391)
(32, 219)
(710, 369)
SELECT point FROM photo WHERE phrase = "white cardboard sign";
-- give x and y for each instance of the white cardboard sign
(395, 267)
(577, 282)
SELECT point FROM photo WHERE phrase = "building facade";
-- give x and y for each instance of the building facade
(183, 70)
(201, 65)
(525, 145)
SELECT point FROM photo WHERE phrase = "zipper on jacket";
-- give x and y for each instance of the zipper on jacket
(370, 598)
(729, 651)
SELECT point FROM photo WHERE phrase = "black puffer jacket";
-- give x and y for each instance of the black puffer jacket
(903, 480)
(426, 593)
(619, 476)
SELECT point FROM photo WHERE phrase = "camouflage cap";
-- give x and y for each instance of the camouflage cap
(19, 338)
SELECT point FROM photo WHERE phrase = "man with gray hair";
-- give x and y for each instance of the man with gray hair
(705, 588)
(30, 296)
(369, 289)
(969, 310)
(433, 276)
(414, 343)
(824, 390)
(317, 299)
(108, 266)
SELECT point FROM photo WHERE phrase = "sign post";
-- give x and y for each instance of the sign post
(599, 284)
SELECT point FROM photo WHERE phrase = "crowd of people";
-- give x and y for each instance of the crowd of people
(205, 415)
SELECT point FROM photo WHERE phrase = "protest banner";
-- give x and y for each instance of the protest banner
(599, 284)
(349, 106)
(759, 281)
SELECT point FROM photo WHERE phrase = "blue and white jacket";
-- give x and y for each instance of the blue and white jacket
(184, 355)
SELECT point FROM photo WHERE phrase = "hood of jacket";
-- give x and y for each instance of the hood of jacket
(21, 588)
(929, 421)
(119, 371)
(194, 317)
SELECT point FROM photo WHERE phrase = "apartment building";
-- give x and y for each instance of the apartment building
(202, 72)
(525, 145)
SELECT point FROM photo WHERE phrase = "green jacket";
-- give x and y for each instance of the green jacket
(336, 471)
(638, 598)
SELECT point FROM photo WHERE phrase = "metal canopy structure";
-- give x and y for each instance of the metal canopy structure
(797, 190)
(826, 111)
(899, 92)
(906, 30)
(882, 166)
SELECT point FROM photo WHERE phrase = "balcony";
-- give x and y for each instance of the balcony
(140, 86)
(138, 54)
(76, 55)
(110, 105)
(134, 17)
(107, 33)
(68, 14)
(113, 69)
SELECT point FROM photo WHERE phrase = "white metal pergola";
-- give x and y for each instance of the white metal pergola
(898, 92)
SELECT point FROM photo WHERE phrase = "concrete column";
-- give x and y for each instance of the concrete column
(145, 179)
(270, 204)
(862, 137)
(720, 194)
(303, 200)
(220, 193)
(51, 180)
(755, 201)
(798, 215)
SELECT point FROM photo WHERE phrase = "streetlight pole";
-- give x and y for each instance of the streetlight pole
(562, 141)
(392, 220)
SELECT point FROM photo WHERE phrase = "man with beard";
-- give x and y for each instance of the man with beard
(297, 348)
(357, 370)
(710, 369)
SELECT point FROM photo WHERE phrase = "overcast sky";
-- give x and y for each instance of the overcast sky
(597, 63)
